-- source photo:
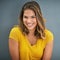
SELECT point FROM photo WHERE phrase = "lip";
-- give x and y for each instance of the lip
(29, 24)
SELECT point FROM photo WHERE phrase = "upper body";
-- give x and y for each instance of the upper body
(28, 51)
(31, 40)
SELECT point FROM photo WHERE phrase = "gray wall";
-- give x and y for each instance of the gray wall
(9, 11)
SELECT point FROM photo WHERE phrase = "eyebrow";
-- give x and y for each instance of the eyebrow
(28, 16)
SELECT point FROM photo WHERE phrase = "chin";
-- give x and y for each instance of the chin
(31, 28)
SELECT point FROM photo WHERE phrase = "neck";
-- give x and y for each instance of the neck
(31, 32)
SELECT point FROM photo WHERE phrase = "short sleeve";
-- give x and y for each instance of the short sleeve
(49, 36)
(14, 34)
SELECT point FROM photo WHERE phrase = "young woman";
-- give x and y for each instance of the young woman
(31, 40)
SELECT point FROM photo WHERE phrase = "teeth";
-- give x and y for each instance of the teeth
(29, 24)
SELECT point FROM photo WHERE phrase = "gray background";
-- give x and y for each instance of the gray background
(9, 12)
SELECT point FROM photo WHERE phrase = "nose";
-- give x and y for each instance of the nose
(29, 20)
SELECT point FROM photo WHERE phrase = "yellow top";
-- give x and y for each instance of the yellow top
(28, 52)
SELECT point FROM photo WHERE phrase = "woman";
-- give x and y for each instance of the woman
(31, 40)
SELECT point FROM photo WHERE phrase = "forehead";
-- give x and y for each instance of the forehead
(29, 12)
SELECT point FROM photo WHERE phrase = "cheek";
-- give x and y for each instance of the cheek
(24, 21)
(36, 22)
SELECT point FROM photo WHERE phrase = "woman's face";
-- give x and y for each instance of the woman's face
(29, 19)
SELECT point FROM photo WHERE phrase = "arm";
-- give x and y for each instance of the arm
(48, 51)
(13, 49)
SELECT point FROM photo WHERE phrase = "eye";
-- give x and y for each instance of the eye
(25, 17)
(33, 17)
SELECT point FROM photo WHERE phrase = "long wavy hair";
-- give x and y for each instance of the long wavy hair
(39, 31)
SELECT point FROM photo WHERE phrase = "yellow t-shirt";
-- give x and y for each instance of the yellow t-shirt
(28, 52)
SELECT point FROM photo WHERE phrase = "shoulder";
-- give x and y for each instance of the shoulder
(16, 29)
(15, 33)
(49, 35)
(48, 32)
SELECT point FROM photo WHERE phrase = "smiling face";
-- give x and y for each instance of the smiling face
(29, 19)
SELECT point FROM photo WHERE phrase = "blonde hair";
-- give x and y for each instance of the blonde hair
(33, 5)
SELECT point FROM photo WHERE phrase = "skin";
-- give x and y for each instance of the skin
(48, 51)
(13, 48)
(29, 20)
